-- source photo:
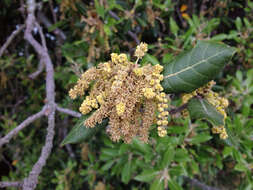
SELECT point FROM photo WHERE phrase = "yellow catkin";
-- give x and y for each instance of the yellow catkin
(120, 108)
(149, 93)
(141, 50)
(138, 71)
(220, 103)
(126, 93)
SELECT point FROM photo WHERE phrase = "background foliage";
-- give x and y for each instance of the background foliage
(93, 30)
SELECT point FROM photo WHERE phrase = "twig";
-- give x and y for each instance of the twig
(38, 71)
(31, 181)
(49, 109)
(43, 40)
(199, 184)
(44, 20)
(68, 111)
(52, 11)
(25, 123)
(2, 157)
(134, 36)
(22, 8)
(179, 109)
(130, 33)
(203, 7)
(10, 38)
(60, 36)
(20, 101)
(113, 15)
(10, 184)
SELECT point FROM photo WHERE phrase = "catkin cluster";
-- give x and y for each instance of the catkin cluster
(220, 103)
(128, 94)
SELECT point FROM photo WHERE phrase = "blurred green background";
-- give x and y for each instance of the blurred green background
(88, 31)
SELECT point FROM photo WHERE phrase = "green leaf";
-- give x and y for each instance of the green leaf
(100, 9)
(124, 148)
(241, 167)
(200, 138)
(238, 23)
(157, 185)
(152, 59)
(140, 146)
(178, 129)
(147, 175)
(177, 170)
(173, 185)
(56, 25)
(173, 26)
(110, 152)
(80, 132)
(108, 165)
(201, 109)
(167, 157)
(126, 172)
(219, 37)
(227, 151)
(246, 22)
(81, 8)
(181, 155)
(196, 67)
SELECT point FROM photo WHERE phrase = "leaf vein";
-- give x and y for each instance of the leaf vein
(184, 81)
(199, 73)
(192, 66)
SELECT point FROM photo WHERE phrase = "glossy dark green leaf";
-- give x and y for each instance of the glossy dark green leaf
(196, 67)
(202, 109)
(80, 132)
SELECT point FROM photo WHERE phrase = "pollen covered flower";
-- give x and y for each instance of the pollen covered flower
(122, 58)
(148, 93)
(138, 71)
(114, 57)
(158, 69)
(120, 108)
(126, 93)
(141, 50)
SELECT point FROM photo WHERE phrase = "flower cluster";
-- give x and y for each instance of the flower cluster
(141, 50)
(220, 103)
(128, 94)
